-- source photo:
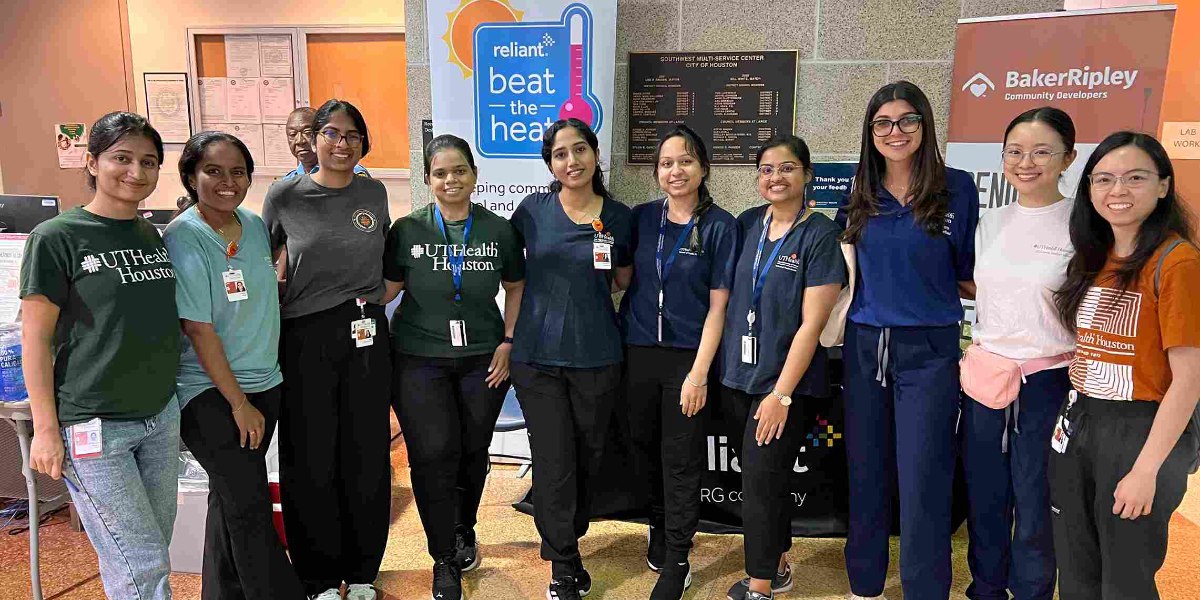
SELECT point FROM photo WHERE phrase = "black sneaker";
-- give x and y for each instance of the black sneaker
(447, 580)
(563, 588)
(672, 582)
(583, 580)
(466, 554)
(656, 548)
(758, 596)
(782, 582)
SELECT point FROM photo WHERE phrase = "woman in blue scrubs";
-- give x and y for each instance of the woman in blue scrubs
(567, 352)
(912, 221)
(685, 248)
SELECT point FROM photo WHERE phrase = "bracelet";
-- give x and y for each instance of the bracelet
(688, 378)
(241, 406)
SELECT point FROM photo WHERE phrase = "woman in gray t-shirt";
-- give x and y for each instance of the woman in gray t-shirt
(335, 475)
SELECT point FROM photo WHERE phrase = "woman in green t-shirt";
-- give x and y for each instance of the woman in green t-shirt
(451, 350)
(101, 346)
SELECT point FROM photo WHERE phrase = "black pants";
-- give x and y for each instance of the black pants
(669, 444)
(767, 470)
(334, 436)
(243, 558)
(447, 412)
(567, 412)
(1100, 555)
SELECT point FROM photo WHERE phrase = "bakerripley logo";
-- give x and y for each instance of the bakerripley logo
(133, 266)
(1078, 83)
(441, 253)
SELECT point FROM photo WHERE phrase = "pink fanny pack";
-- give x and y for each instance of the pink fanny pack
(993, 380)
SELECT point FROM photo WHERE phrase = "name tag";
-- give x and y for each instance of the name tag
(362, 332)
(87, 439)
(602, 255)
(458, 334)
(749, 350)
(235, 285)
(1061, 436)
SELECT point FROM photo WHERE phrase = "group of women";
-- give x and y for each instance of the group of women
(233, 323)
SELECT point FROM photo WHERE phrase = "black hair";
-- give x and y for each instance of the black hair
(112, 128)
(1093, 238)
(927, 187)
(793, 143)
(590, 137)
(695, 146)
(193, 153)
(1056, 118)
(321, 119)
(448, 142)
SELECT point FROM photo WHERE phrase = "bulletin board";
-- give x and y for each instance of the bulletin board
(245, 81)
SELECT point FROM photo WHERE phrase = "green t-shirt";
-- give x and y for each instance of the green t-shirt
(418, 255)
(116, 346)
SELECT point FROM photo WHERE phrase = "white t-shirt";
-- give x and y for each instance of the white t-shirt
(1021, 259)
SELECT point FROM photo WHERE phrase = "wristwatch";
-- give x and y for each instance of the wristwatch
(783, 400)
(506, 340)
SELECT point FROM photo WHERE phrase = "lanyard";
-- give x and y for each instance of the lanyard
(759, 279)
(454, 259)
(665, 269)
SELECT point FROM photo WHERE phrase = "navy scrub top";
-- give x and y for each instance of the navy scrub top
(907, 277)
(810, 257)
(693, 274)
(567, 315)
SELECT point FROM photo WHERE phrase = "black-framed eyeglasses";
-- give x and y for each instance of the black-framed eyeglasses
(1040, 157)
(353, 139)
(907, 124)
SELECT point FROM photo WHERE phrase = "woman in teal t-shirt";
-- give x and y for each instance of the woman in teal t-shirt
(451, 350)
(229, 377)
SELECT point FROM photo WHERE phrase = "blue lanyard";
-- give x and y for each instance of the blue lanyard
(665, 269)
(759, 279)
(455, 259)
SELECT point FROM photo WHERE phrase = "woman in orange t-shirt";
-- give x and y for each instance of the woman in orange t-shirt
(1122, 446)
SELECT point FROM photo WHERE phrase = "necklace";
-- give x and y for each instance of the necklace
(588, 216)
(231, 246)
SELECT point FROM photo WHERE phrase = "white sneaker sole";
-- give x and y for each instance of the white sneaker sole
(475, 563)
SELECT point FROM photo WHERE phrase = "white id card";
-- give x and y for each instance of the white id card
(87, 440)
(749, 349)
(235, 285)
(458, 334)
(363, 332)
(602, 255)
(1061, 436)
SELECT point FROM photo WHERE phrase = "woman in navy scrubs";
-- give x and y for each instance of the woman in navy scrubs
(912, 221)
(685, 247)
(567, 353)
(788, 276)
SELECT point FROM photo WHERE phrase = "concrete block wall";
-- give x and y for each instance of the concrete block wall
(848, 49)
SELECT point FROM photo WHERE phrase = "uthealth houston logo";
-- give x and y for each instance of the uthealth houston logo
(1084, 78)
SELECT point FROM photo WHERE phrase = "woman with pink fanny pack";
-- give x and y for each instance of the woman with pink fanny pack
(1014, 377)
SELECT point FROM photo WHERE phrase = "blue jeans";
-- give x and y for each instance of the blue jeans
(126, 500)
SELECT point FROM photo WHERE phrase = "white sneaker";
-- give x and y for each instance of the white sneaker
(857, 597)
(361, 591)
(329, 594)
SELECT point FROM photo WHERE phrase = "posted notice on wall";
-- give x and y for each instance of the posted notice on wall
(277, 99)
(70, 139)
(1182, 140)
(275, 55)
(212, 99)
(241, 56)
(275, 146)
(242, 104)
(12, 248)
(167, 106)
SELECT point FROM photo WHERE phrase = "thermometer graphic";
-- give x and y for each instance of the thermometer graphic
(575, 106)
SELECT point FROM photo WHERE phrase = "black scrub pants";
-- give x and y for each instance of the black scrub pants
(669, 445)
(1100, 555)
(567, 412)
(334, 438)
(767, 501)
(243, 557)
(448, 413)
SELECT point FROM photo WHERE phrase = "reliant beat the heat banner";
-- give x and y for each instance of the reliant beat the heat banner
(1105, 68)
(503, 71)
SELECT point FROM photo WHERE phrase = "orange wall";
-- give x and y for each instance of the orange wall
(1181, 96)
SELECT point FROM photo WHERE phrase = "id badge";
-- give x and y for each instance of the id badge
(749, 349)
(363, 332)
(235, 285)
(1061, 436)
(458, 334)
(87, 440)
(602, 255)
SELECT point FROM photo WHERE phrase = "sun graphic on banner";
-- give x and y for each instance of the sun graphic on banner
(462, 23)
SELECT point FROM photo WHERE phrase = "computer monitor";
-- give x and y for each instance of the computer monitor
(21, 213)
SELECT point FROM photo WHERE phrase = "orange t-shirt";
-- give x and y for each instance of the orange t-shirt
(1122, 337)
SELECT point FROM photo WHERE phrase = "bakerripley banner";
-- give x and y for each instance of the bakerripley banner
(1106, 68)
(503, 71)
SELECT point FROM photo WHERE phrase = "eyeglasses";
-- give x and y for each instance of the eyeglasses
(1040, 157)
(783, 169)
(1133, 180)
(353, 139)
(907, 123)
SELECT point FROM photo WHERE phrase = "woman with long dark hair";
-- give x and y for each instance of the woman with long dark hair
(567, 352)
(335, 468)
(229, 377)
(1122, 447)
(912, 222)
(101, 348)
(684, 251)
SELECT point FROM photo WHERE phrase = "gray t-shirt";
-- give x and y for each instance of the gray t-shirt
(334, 240)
